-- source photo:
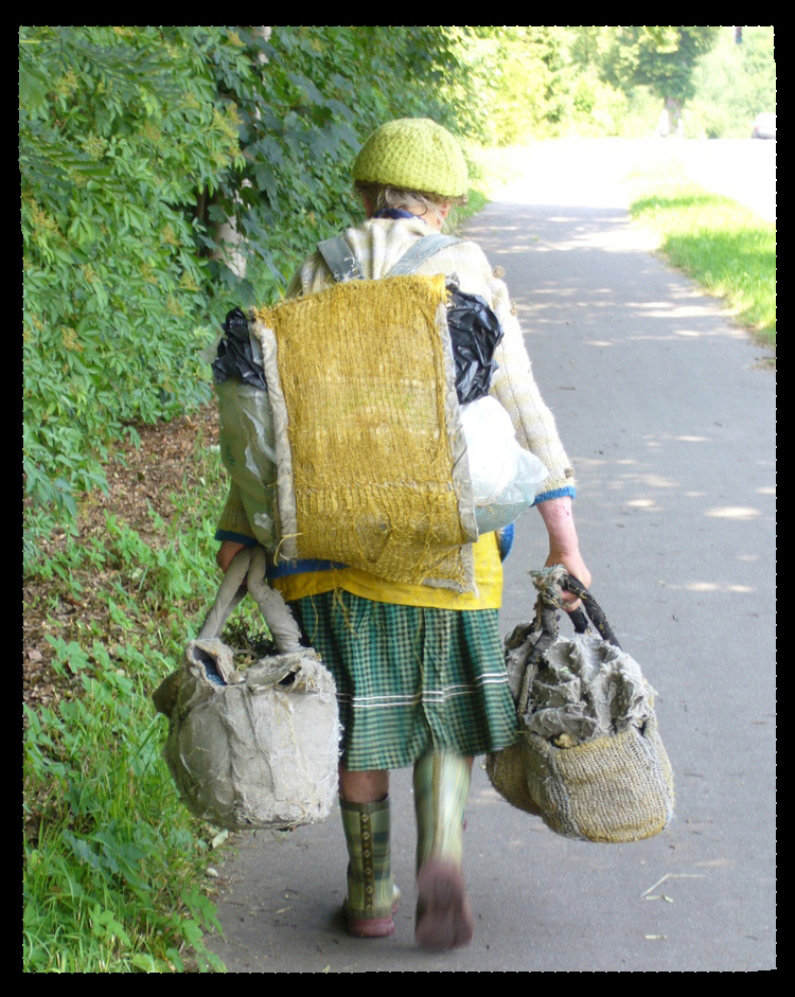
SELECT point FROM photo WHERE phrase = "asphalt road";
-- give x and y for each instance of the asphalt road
(667, 411)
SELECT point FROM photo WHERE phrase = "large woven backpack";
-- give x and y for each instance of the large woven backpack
(352, 450)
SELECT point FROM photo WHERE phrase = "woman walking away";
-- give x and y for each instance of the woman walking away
(419, 669)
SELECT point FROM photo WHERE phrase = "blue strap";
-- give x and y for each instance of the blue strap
(300, 567)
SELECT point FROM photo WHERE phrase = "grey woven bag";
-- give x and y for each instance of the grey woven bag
(256, 748)
(589, 759)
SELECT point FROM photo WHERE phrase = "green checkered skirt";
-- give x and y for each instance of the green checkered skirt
(410, 680)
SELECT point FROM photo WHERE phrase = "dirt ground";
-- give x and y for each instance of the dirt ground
(142, 480)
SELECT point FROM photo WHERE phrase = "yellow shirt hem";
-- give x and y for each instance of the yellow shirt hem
(488, 584)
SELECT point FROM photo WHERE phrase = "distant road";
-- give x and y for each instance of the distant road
(742, 169)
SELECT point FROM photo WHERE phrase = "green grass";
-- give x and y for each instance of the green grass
(114, 866)
(724, 247)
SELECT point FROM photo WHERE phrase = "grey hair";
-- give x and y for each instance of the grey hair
(383, 197)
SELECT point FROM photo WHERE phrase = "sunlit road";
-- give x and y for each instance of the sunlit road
(667, 411)
(600, 171)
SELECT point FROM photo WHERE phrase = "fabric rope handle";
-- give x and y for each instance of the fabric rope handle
(247, 572)
(274, 609)
(230, 593)
(579, 621)
(551, 583)
(592, 608)
(546, 620)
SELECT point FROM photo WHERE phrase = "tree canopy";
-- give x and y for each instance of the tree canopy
(661, 57)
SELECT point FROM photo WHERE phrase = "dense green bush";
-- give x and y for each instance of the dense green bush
(119, 129)
(306, 98)
(141, 150)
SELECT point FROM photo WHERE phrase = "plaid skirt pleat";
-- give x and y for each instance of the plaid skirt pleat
(410, 679)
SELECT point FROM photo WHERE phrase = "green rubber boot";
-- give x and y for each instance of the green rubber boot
(444, 915)
(372, 897)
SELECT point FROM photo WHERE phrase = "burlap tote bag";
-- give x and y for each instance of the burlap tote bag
(589, 759)
(258, 747)
(357, 427)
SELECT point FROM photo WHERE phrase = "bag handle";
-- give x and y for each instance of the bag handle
(551, 583)
(247, 573)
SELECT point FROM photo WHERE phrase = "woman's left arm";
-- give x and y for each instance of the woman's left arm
(564, 545)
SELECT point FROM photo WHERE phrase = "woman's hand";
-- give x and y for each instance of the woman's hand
(226, 553)
(574, 564)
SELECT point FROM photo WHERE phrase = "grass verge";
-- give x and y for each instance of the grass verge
(727, 249)
(115, 869)
(723, 246)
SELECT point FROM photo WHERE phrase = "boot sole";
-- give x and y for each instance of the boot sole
(373, 927)
(444, 914)
(381, 927)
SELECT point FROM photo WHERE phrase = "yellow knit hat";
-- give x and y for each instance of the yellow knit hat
(413, 154)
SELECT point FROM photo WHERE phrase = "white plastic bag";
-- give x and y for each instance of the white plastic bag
(505, 477)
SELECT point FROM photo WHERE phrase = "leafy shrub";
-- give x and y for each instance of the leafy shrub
(119, 128)
(167, 174)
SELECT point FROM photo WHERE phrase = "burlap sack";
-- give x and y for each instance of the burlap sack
(259, 750)
(256, 748)
(588, 759)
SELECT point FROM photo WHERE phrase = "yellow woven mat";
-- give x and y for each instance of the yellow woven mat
(366, 375)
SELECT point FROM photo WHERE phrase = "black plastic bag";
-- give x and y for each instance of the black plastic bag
(475, 332)
(235, 355)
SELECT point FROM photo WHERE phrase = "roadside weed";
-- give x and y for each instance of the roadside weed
(113, 864)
